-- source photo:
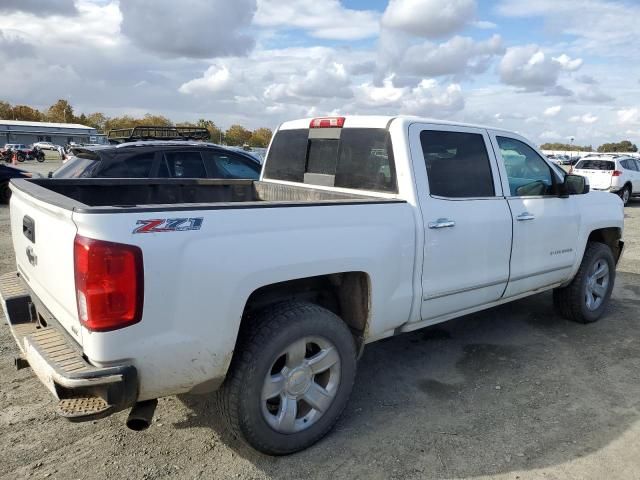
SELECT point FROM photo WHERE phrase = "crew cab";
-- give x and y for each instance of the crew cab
(616, 174)
(266, 292)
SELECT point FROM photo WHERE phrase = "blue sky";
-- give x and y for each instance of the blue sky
(550, 69)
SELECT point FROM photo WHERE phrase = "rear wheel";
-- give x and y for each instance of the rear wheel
(585, 298)
(291, 378)
(625, 194)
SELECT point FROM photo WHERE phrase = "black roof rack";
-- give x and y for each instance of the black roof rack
(121, 135)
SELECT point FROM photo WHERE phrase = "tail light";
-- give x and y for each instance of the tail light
(109, 283)
(616, 173)
(327, 122)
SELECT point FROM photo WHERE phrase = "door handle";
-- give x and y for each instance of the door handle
(525, 216)
(442, 223)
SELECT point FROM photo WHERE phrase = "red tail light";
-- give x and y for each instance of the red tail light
(109, 283)
(617, 173)
(327, 122)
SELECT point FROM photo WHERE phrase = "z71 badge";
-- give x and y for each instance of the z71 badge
(160, 225)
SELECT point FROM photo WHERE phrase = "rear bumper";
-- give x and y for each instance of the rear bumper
(85, 392)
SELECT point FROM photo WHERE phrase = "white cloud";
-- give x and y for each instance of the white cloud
(550, 135)
(387, 94)
(205, 29)
(326, 19)
(457, 56)
(552, 111)
(528, 67)
(628, 116)
(587, 119)
(39, 7)
(429, 18)
(325, 81)
(598, 26)
(567, 63)
(593, 94)
(484, 25)
(215, 79)
(428, 98)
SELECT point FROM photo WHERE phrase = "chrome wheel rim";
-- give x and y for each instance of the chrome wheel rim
(301, 385)
(625, 196)
(597, 284)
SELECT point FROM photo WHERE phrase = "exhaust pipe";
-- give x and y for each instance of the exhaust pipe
(141, 414)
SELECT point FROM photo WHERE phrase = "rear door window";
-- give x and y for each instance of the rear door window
(457, 164)
(129, 165)
(182, 165)
(596, 165)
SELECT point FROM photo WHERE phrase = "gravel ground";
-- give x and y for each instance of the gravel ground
(514, 392)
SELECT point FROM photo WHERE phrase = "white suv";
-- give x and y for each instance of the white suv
(620, 175)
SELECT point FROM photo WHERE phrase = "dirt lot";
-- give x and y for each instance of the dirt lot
(513, 392)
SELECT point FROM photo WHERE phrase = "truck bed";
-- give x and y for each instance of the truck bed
(109, 196)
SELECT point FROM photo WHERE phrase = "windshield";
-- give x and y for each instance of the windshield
(595, 165)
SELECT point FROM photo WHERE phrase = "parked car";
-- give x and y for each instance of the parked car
(159, 159)
(45, 145)
(620, 175)
(16, 147)
(267, 291)
(6, 174)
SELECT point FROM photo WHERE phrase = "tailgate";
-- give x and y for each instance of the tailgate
(598, 179)
(43, 236)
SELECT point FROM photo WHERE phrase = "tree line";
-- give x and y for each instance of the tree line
(62, 112)
(623, 146)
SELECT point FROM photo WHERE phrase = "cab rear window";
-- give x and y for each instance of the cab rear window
(358, 158)
(595, 165)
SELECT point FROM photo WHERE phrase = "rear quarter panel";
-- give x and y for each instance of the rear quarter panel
(197, 282)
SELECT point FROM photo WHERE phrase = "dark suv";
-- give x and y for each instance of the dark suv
(159, 159)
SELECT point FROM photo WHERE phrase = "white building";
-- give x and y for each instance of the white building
(17, 131)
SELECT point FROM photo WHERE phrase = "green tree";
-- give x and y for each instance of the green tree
(6, 111)
(260, 137)
(216, 134)
(623, 146)
(566, 146)
(96, 120)
(60, 112)
(237, 135)
(26, 113)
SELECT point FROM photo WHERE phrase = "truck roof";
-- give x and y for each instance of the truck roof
(382, 121)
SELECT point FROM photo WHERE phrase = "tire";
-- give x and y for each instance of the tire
(572, 301)
(40, 158)
(262, 356)
(625, 195)
(5, 192)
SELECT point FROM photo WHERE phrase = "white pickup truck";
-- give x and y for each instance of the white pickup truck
(360, 228)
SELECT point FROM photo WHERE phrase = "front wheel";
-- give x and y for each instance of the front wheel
(290, 379)
(40, 158)
(585, 298)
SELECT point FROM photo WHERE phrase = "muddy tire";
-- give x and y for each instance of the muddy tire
(290, 379)
(585, 299)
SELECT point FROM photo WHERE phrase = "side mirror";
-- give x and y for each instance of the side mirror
(575, 185)
(50, 175)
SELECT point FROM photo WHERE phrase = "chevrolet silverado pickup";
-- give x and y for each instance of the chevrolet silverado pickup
(266, 292)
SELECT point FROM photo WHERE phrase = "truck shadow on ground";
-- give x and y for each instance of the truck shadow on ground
(512, 388)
